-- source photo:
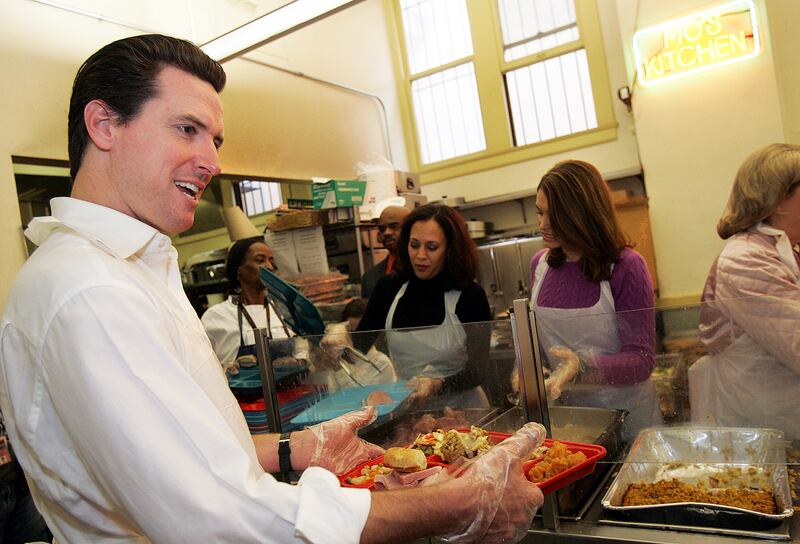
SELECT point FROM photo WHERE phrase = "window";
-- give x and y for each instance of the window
(492, 82)
(257, 197)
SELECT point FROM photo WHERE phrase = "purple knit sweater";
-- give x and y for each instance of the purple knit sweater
(567, 287)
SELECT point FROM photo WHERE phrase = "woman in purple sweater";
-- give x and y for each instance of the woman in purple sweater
(593, 299)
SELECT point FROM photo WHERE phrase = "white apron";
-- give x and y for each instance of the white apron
(437, 352)
(745, 385)
(594, 331)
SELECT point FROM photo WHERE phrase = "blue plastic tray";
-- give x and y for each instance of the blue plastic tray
(299, 313)
(347, 400)
(250, 378)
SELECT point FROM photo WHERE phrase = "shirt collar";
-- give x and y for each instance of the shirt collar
(783, 245)
(119, 233)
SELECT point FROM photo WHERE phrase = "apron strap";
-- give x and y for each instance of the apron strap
(393, 307)
(540, 272)
(242, 311)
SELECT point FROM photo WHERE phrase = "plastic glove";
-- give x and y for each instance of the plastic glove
(231, 367)
(337, 337)
(338, 447)
(567, 369)
(424, 388)
(505, 500)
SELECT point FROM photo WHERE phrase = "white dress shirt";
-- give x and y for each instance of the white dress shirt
(221, 322)
(118, 408)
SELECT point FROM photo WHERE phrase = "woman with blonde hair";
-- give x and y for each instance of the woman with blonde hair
(593, 299)
(750, 322)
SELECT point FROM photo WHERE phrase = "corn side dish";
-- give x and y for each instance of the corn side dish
(368, 474)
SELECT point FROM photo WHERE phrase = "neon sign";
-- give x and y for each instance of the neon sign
(702, 41)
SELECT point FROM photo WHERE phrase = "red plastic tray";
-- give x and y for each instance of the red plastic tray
(356, 471)
(593, 454)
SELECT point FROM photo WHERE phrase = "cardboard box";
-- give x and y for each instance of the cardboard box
(335, 193)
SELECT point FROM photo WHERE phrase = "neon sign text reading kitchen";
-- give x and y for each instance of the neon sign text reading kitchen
(701, 41)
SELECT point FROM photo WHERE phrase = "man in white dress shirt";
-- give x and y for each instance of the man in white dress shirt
(114, 400)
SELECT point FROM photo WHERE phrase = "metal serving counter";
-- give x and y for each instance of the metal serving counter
(594, 527)
(572, 514)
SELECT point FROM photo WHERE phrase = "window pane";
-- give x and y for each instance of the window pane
(436, 32)
(448, 114)
(551, 98)
(531, 26)
(260, 196)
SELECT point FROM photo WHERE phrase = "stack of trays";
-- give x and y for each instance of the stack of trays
(290, 403)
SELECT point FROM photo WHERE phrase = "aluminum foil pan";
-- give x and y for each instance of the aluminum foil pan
(755, 458)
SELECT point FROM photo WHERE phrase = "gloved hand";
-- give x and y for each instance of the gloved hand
(337, 337)
(424, 388)
(505, 500)
(567, 369)
(338, 446)
(231, 367)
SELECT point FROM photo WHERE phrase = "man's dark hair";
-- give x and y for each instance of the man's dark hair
(123, 75)
(461, 261)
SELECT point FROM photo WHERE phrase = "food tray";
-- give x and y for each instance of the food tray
(580, 424)
(356, 471)
(347, 400)
(692, 454)
(592, 452)
(494, 439)
(299, 314)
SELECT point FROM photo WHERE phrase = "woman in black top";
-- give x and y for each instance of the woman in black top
(435, 288)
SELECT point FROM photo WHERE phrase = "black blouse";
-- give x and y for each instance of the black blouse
(422, 305)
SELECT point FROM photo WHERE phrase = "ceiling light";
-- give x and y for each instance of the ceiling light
(272, 26)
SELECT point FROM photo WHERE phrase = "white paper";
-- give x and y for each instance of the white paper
(309, 247)
(282, 245)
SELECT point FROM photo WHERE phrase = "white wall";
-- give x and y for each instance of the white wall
(693, 133)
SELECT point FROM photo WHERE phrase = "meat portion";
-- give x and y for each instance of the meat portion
(397, 480)
(377, 397)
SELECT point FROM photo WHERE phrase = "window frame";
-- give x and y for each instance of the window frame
(490, 69)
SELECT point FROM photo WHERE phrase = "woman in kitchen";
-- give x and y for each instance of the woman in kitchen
(435, 288)
(230, 324)
(593, 299)
(751, 311)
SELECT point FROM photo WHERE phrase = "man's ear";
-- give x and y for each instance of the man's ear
(99, 119)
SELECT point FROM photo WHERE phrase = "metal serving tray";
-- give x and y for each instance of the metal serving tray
(692, 454)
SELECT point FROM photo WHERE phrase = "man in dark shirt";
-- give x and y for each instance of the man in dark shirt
(389, 224)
